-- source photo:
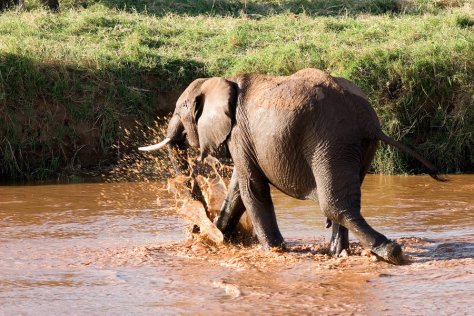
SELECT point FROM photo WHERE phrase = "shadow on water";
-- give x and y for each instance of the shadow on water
(66, 117)
(431, 251)
(428, 250)
(262, 8)
(453, 250)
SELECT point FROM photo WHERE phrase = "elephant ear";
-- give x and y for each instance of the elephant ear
(215, 120)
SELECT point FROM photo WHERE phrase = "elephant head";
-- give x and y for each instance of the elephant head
(204, 115)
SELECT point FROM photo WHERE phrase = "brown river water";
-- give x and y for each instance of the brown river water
(114, 249)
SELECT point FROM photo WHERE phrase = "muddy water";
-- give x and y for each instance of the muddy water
(114, 249)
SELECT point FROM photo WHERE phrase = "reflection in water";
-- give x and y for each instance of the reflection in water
(110, 248)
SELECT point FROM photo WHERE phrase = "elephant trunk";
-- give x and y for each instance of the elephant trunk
(174, 134)
(175, 137)
(175, 130)
(176, 149)
(179, 159)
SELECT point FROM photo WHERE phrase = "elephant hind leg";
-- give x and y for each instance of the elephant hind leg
(339, 240)
(339, 197)
(369, 237)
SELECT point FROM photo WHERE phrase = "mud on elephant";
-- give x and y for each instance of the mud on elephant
(311, 135)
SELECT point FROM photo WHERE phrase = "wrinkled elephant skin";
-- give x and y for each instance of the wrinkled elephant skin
(311, 135)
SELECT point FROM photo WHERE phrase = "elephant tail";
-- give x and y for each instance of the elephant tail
(432, 170)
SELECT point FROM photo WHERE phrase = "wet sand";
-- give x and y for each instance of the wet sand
(113, 249)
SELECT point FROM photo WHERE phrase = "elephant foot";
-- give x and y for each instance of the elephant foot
(339, 240)
(390, 252)
(276, 243)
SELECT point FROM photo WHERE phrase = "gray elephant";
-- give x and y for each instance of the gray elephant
(311, 135)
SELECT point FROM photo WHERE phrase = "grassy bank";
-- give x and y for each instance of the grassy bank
(70, 81)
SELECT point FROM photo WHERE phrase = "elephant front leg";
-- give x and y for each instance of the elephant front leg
(339, 240)
(255, 193)
(232, 208)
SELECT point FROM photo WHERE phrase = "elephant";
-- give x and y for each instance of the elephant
(310, 135)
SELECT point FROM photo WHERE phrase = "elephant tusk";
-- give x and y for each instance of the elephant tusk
(156, 146)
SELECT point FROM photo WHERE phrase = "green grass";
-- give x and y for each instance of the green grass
(70, 81)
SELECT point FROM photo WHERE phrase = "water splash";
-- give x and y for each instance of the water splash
(154, 167)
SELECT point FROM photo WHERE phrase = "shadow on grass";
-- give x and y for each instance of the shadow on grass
(263, 8)
(59, 118)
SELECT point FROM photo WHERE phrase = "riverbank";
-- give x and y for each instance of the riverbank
(74, 84)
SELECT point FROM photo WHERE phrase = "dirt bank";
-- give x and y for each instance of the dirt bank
(53, 144)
